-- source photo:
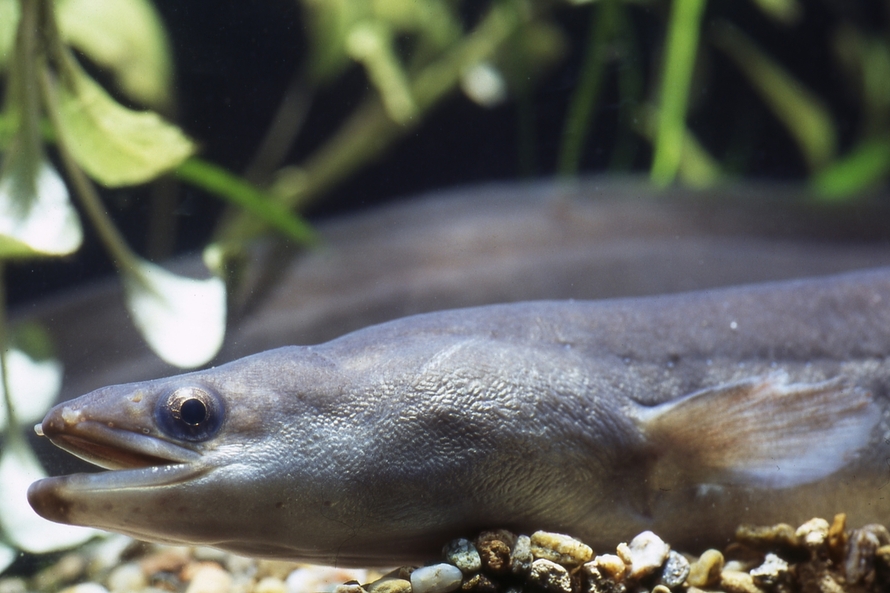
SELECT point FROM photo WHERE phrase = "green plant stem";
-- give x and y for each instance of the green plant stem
(122, 256)
(682, 44)
(234, 189)
(369, 131)
(577, 125)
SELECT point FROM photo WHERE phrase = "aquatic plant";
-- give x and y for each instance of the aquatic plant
(414, 55)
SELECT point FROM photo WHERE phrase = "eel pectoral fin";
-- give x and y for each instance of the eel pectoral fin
(761, 432)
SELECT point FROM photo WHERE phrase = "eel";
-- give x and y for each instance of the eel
(686, 414)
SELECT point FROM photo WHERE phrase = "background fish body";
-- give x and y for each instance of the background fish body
(686, 414)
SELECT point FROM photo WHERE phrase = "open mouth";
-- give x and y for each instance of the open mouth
(114, 448)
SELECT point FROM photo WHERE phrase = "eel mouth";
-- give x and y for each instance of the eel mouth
(115, 448)
(138, 460)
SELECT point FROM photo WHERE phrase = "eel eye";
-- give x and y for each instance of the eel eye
(190, 414)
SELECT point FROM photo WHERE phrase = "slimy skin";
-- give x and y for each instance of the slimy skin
(686, 414)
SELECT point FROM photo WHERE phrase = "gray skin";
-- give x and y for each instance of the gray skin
(686, 414)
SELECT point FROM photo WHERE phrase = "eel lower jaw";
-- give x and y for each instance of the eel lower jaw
(59, 498)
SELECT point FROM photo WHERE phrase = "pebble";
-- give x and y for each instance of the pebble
(479, 583)
(494, 552)
(675, 571)
(126, 578)
(734, 581)
(438, 578)
(463, 554)
(351, 587)
(321, 578)
(837, 538)
(521, 556)
(815, 577)
(611, 566)
(861, 548)
(813, 533)
(69, 568)
(549, 577)
(170, 559)
(390, 584)
(13, 585)
(645, 554)
(270, 585)
(559, 548)
(207, 577)
(596, 581)
(780, 535)
(705, 572)
(772, 573)
(85, 588)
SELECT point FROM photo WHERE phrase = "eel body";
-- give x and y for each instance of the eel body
(685, 414)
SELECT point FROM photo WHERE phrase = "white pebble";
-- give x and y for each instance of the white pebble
(439, 578)
(127, 577)
(322, 578)
(270, 585)
(464, 555)
(645, 553)
(85, 588)
(210, 578)
(550, 576)
(813, 532)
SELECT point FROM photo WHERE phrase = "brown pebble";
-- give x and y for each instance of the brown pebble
(67, 569)
(479, 583)
(351, 587)
(837, 538)
(495, 556)
(275, 568)
(765, 537)
(559, 548)
(170, 559)
(390, 584)
(733, 581)
(508, 537)
(705, 571)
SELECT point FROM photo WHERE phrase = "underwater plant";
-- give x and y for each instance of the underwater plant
(64, 130)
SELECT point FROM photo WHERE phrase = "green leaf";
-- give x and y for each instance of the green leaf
(33, 387)
(862, 169)
(21, 525)
(36, 216)
(115, 145)
(125, 36)
(9, 18)
(182, 319)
